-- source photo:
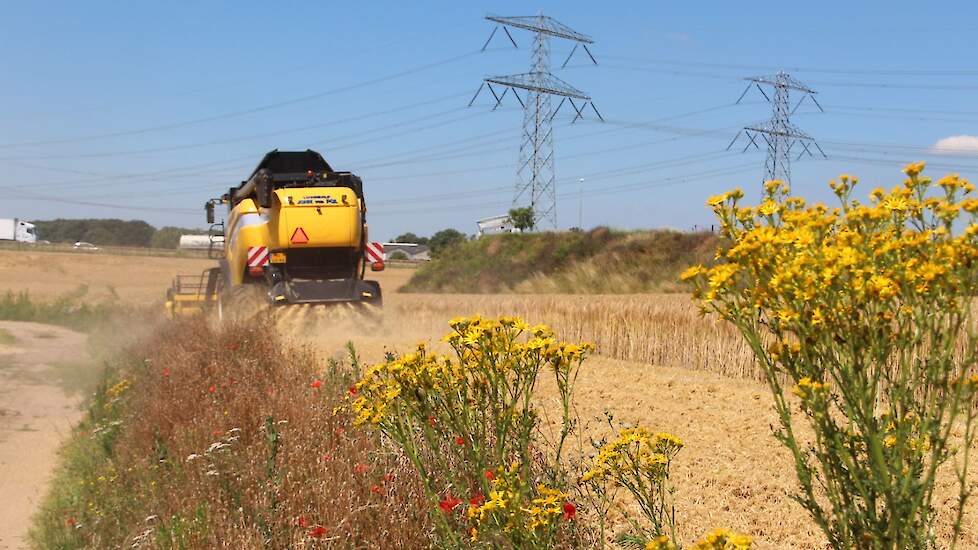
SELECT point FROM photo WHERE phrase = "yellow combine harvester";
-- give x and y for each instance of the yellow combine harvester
(295, 233)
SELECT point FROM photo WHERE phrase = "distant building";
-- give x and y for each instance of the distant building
(496, 225)
(411, 251)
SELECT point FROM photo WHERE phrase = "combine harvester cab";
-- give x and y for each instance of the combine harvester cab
(297, 229)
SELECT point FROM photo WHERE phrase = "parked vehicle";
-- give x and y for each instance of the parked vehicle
(81, 245)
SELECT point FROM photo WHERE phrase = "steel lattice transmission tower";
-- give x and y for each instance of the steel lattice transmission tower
(535, 174)
(779, 133)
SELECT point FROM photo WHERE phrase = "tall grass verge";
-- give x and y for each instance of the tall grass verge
(199, 438)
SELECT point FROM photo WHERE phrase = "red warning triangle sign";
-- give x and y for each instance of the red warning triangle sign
(299, 236)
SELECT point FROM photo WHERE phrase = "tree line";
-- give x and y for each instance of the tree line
(111, 232)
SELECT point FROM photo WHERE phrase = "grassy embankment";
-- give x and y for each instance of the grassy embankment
(600, 261)
(200, 438)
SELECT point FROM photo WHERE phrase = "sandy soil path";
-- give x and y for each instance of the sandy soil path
(37, 411)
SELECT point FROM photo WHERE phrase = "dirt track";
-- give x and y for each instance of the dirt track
(37, 411)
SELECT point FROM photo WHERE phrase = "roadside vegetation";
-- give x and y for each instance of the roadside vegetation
(69, 310)
(600, 261)
(200, 438)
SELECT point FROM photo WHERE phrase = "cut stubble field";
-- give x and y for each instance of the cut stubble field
(660, 365)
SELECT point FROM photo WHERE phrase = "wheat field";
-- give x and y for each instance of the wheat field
(659, 329)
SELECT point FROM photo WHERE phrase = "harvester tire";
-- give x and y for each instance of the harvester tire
(240, 303)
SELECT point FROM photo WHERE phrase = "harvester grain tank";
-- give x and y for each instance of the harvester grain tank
(295, 231)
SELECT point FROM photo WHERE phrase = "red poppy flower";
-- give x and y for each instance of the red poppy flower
(317, 532)
(340, 430)
(449, 503)
(489, 475)
(327, 457)
(166, 372)
(302, 522)
(375, 489)
(477, 500)
(70, 522)
(388, 477)
(460, 441)
(316, 384)
(352, 390)
(212, 389)
(570, 511)
(431, 420)
(360, 468)
(233, 346)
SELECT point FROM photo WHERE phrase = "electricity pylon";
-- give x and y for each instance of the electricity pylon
(535, 174)
(779, 133)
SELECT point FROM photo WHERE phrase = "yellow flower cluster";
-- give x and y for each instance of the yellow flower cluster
(636, 449)
(505, 506)
(485, 349)
(807, 389)
(723, 539)
(662, 542)
(385, 383)
(118, 388)
(816, 266)
(473, 337)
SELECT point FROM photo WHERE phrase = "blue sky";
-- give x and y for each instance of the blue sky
(145, 110)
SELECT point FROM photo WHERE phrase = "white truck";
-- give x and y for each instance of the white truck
(12, 229)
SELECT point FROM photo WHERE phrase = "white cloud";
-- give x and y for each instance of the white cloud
(957, 144)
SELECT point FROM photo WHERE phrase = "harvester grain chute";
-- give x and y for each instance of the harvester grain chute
(295, 233)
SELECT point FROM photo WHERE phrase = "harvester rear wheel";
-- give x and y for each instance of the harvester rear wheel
(241, 302)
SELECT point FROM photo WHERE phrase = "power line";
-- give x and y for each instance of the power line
(243, 112)
(249, 137)
(831, 83)
(795, 68)
(658, 182)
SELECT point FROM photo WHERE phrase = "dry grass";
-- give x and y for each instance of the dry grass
(219, 439)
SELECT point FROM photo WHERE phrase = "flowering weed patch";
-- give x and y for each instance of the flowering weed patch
(864, 313)
(469, 426)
